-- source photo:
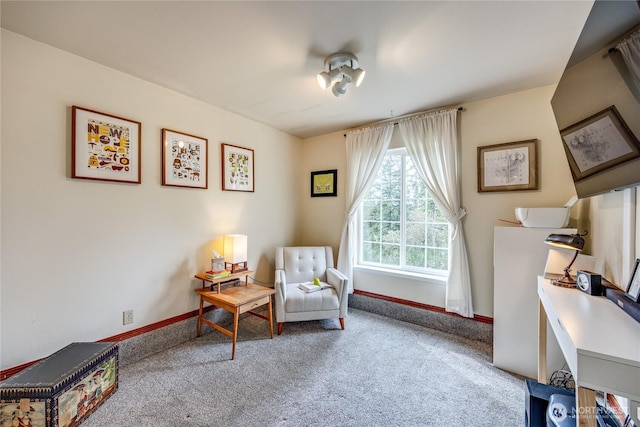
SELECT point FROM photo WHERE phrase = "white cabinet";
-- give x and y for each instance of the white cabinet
(519, 256)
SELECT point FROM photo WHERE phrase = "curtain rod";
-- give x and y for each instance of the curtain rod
(406, 116)
(617, 41)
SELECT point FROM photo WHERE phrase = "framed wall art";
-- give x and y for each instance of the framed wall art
(104, 147)
(184, 160)
(237, 168)
(324, 183)
(633, 289)
(599, 142)
(510, 166)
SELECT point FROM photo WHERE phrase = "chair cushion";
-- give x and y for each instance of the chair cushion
(300, 301)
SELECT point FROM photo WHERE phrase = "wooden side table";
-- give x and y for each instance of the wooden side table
(236, 300)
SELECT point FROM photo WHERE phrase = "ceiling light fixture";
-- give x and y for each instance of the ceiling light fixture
(338, 65)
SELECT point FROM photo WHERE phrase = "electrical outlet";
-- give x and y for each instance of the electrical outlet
(127, 317)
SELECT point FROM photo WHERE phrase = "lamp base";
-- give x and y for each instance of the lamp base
(565, 282)
(236, 267)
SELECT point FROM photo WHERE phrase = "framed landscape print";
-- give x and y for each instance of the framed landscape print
(237, 168)
(184, 160)
(598, 142)
(324, 183)
(508, 167)
(104, 147)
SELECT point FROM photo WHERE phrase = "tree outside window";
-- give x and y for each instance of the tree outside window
(401, 226)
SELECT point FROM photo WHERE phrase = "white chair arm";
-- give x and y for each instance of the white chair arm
(339, 281)
(280, 283)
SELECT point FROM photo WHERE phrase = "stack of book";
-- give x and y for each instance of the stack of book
(217, 274)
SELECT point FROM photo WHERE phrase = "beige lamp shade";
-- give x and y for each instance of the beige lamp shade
(235, 248)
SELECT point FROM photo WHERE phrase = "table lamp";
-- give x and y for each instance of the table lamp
(567, 241)
(235, 252)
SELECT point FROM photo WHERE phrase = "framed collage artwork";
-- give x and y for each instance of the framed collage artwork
(184, 160)
(104, 147)
(237, 168)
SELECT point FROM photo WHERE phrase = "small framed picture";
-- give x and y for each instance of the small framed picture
(633, 289)
(237, 168)
(104, 147)
(324, 183)
(598, 143)
(510, 166)
(184, 160)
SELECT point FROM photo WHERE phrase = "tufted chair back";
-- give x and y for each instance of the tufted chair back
(303, 263)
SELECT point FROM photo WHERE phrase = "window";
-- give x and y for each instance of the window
(400, 226)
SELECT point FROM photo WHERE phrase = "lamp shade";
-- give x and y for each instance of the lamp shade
(355, 75)
(566, 241)
(323, 79)
(235, 248)
(326, 78)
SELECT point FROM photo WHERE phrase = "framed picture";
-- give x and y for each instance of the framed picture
(599, 142)
(510, 166)
(104, 147)
(324, 183)
(633, 289)
(184, 160)
(237, 168)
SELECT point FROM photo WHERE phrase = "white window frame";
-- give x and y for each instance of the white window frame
(407, 272)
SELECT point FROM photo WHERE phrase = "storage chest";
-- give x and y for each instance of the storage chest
(62, 389)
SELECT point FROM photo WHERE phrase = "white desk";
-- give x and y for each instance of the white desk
(600, 342)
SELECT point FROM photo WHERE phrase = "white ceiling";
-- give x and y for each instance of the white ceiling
(259, 59)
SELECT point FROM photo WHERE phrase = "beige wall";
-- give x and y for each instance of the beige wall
(516, 117)
(321, 217)
(76, 253)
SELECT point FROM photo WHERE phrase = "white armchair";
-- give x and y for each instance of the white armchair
(295, 265)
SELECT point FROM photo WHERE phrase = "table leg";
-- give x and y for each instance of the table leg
(270, 311)
(542, 344)
(586, 407)
(236, 317)
(200, 315)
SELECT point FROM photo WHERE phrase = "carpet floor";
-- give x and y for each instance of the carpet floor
(377, 372)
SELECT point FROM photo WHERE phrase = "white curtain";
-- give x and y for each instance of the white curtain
(365, 153)
(432, 144)
(630, 49)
